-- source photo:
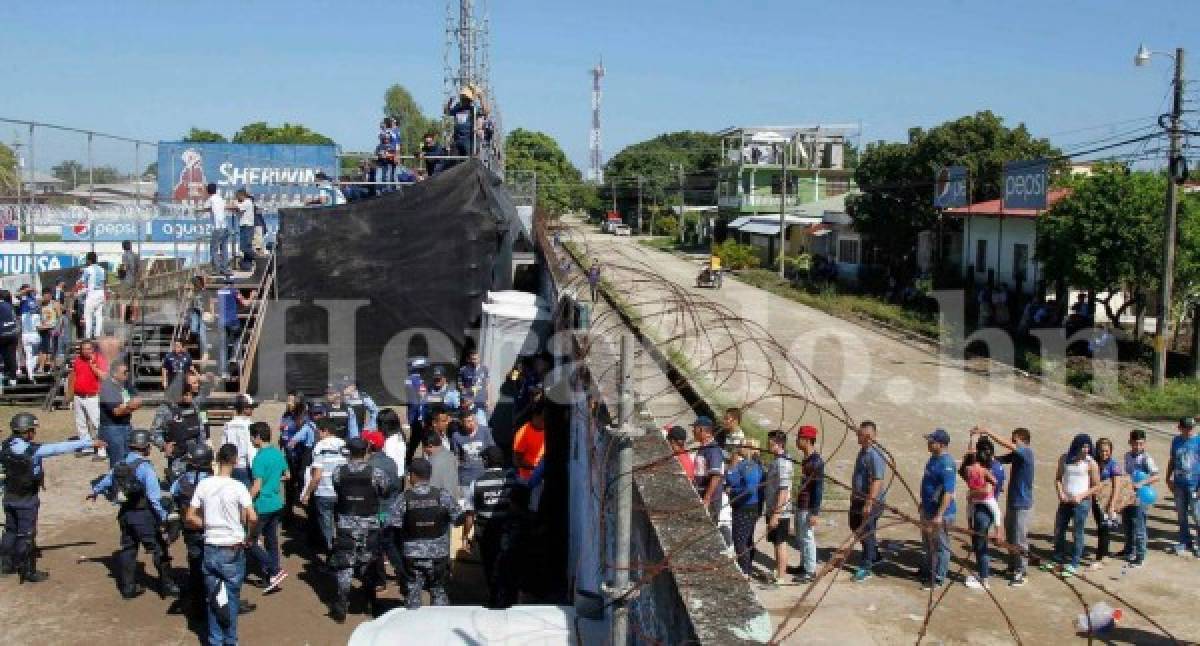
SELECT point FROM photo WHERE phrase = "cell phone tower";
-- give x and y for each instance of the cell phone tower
(466, 58)
(596, 168)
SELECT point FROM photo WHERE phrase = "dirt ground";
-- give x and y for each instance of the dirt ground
(80, 603)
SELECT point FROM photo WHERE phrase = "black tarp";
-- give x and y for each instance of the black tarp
(423, 257)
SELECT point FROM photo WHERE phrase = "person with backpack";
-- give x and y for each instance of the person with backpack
(21, 457)
(133, 485)
(198, 466)
(10, 336)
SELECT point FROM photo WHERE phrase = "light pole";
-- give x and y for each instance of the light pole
(1173, 165)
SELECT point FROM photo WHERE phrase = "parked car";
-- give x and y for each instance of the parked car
(622, 230)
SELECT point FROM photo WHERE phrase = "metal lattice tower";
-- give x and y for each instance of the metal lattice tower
(596, 168)
(466, 58)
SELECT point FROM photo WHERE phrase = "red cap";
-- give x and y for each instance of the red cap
(374, 438)
(808, 432)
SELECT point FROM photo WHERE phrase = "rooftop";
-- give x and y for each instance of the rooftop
(993, 208)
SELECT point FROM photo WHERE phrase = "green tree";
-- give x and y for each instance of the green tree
(657, 161)
(101, 175)
(559, 184)
(398, 102)
(199, 136)
(896, 179)
(151, 170)
(8, 171)
(1107, 236)
(259, 132)
(70, 171)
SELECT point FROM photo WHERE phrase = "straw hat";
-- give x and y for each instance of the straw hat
(468, 92)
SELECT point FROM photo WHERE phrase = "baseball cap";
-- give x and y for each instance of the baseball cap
(940, 436)
(703, 420)
(421, 468)
(356, 444)
(374, 438)
(438, 372)
(808, 432)
(1187, 422)
(321, 175)
(677, 434)
(246, 400)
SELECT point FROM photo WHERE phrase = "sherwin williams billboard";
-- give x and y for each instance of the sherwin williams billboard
(277, 175)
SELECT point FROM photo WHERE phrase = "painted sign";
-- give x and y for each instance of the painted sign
(21, 263)
(86, 230)
(276, 174)
(950, 187)
(1025, 184)
(179, 230)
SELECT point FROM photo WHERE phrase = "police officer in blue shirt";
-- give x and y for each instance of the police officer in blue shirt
(414, 392)
(344, 422)
(22, 458)
(439, 394)
(133, 485)
(199, 463)
(364, 408)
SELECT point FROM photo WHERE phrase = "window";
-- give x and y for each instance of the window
(848, 251)
(980, 256)
(1020, 262)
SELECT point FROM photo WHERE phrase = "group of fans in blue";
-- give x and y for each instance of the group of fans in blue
(373, 489)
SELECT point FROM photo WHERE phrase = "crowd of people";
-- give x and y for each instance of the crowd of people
(1090, 480)
(363, 486)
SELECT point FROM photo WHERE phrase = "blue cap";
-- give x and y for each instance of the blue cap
(438, 372)
(940, 436)
(703, 420)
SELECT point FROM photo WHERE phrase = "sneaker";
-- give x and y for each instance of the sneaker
(1017, 581)
(1049, 566)
(862, 574)
(973, 583)
(1137, 562)
(932, 585)
(1069, 571)
(273, 585)
(803, 578)
(1177, 550)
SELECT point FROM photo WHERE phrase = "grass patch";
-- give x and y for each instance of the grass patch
(660, 243)
(843, 305)
(1178, 398)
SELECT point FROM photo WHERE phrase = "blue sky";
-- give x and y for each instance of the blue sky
(152, 69)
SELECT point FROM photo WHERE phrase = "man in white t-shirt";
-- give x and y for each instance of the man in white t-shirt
(245, 208)
(218, 245)
(394, 445)
(328, 454)
(94, 279)
(223, 509)
(237, 433)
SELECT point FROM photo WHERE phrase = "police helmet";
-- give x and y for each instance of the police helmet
(139, 439)
(200, 456)
(23, 423)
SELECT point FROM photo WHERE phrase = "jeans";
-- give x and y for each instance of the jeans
(228, 346)
(744, 520)
(324, 511)
(117, 438)
(218, 249)
(806, 542)
(981, 525)
(246, 244)
(198, 329)
(1016, 532)
(1187, 510)
(8, 352)
(1103, 535)
(1076, 514)
(937, 546)
(267, 554)
(1133, 518)
(223, 565)
(864, 526)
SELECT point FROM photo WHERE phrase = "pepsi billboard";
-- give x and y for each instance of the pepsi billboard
(950, 187)
(277, 175)
(1025, 184)
(88, 230)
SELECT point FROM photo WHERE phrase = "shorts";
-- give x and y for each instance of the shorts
(782, 532)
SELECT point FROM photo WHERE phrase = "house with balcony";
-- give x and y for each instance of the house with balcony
(766, 169)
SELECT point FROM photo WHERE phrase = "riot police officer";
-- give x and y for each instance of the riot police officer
(198, 466)
(339, 414)
(422, 516)
(360, 489)
(439, 394)
(360, 404)
(492, 504)
(22, 458)
(182, 427)
(133, 486)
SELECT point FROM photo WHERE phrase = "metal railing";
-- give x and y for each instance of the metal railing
(247, 344)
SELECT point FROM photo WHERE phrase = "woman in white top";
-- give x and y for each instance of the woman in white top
(1076, 481)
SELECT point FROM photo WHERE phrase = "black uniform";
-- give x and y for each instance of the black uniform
(423, 516)
(357, 550)
(193, 539)
(339, 416)
(21, 505)
(182, 425)
(493, 497)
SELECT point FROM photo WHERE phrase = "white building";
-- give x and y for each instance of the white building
(999, 244)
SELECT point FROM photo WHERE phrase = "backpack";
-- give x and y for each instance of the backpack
(126, 486)
(9, 327)
(19, 479)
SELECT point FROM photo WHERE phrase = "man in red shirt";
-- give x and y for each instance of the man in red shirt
(530, 443)
(677, 437)
(87, 370)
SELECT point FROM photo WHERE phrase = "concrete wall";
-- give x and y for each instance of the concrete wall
(1001, 235)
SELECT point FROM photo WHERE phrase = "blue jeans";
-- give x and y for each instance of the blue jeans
(197, 327)
(806, 542)
(937, 546)
(1133, 518)
(1076, 515)
(223, 565)
(981, 524)
(116, 436)
(246, 244)
(218, 249)
(864, 526)
(267, 554)
(1187, 511)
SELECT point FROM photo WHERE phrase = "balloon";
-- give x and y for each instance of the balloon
(1147, 495)
(1139, 476)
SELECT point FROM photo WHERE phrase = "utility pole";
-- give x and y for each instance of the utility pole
(639, 215)
(1174, 161)
(783, 213)
(682, 202)
(612, 187)
(622, 433)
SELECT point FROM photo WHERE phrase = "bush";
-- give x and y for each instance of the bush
(666, 225)
(737, 256)
(1178, 398)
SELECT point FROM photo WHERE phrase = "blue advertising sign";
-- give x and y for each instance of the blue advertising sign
(179, 230)
(1025, 184)
(275, 174)
(87, 230)
(15, 263)
(950, 187)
